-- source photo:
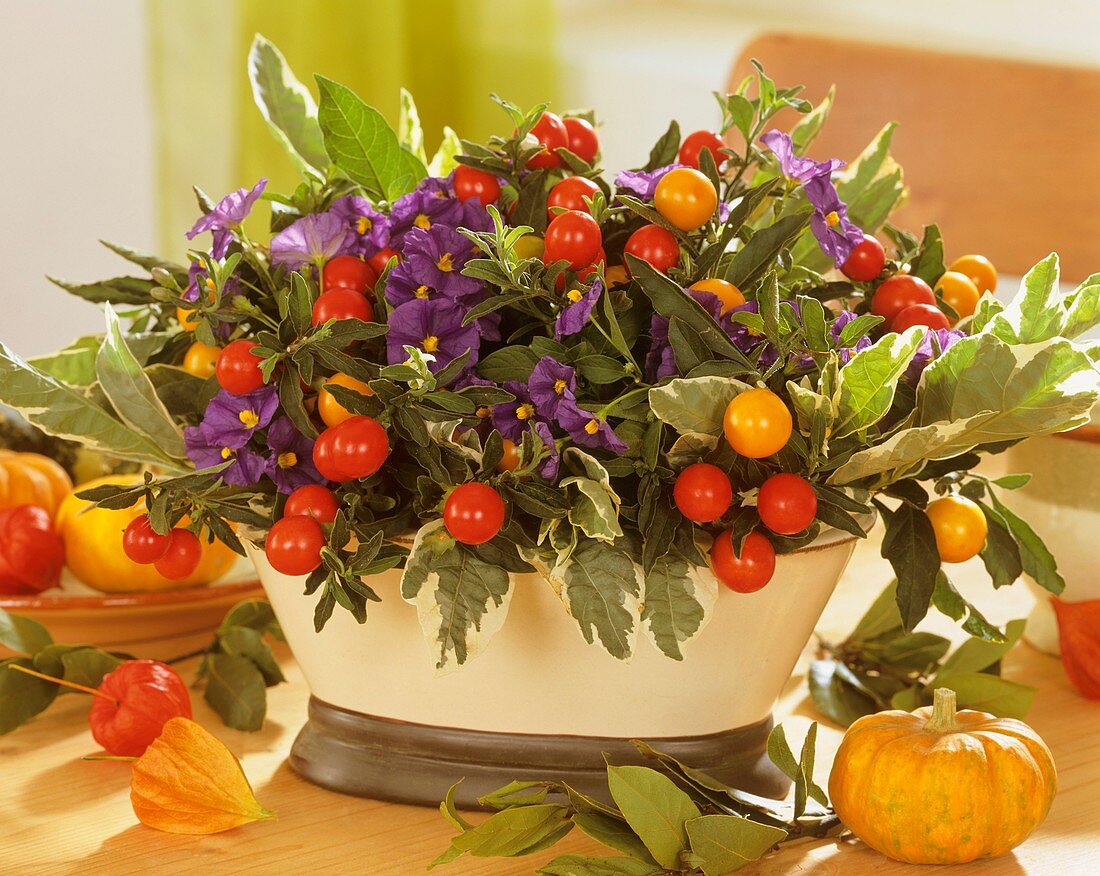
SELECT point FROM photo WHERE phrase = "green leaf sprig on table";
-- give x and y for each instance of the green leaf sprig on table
(237, 667)
(882, 666)
(665, 819)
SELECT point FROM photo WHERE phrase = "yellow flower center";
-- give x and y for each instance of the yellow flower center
(484, 412)
(574, 295)
(363, 225)
(422, 221)
(446, 262)
(559, 387)
(250, 418)
(211, 286)
(832, 219)
(288, 459)
(422, 291)
(591, 427)
(228, 452)
(753, 332)
(431, 344)
(525, 412)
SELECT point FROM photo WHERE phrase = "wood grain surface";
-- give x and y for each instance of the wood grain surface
(59, 814)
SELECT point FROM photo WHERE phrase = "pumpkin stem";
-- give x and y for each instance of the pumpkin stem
(943, 712)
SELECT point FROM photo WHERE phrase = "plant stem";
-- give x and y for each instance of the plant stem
(943, 712)
(198, 652)
(61, 681)
(602, 412)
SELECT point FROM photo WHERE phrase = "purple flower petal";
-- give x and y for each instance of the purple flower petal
(433, 326)
(227, 214)
(587, 429)
(575, 316)
(313, 239)
(551, 383)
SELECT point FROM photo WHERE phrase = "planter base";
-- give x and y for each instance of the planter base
(416, 763)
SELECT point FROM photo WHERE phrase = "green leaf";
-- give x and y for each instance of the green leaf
(676, 603)
(508, 363)
(1035, 557)
(22, 635)
(1035, 313)
(249, 643)
(600, 586)
(872, 185)
(287, 106)
(809, 126)
(928, 263)
(119, 290)
(409, 132)
(461, 600)
(1000, 554)
(881, 619)
(579, 865)
(255, 614)
(990, 693)
(916, 651)
(800, 771)
(867, 383)
(655, 809)
(910, 546)
(75, 364)
(443, 162)
(1083, 311)
(694, 404)
(949, 601)
(516, 794)
(759, 255)
(666, 148)
(725, 843)
(132, 394)
(975, 655)
(512, 832)
(594, 510)
(615, 834)
(235, 689)
(361, 143)
(834, 696)
(22, 696)
(86, 666)
(65, 412)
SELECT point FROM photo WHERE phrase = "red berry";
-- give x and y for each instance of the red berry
(896, 293)
(238, 368)
(573, 236)
(655, 245)
(136, 700)
(314, 501)
(696, 142)
(920, 314)
(293, 545)
(570, 193)
(550, 131)
(353, 449)
(141, 543)
(341, 303)
(703, 492)
(583, 141)
(347, 272)
(473, 513)
(31, 552)
(786, 503)
(865, 261)
(749, 572)
(473, 184)
(182, 557)
(380, 259)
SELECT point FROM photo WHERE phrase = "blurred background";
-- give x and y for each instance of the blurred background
(114, 109)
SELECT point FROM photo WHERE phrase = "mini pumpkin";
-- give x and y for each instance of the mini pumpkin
(937, 786)
(32, 479)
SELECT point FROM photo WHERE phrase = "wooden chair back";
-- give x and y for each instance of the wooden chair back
(1003, 155)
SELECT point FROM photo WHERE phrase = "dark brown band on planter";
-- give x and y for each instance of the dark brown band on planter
(403, 762)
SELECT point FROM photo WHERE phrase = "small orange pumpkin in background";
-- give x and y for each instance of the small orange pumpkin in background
(937, 786)
(32, 479)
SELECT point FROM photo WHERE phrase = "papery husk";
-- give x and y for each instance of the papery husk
(189, 782)
(1079, 639)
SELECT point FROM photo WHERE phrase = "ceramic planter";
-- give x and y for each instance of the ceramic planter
(541, 702)
(1062, 504)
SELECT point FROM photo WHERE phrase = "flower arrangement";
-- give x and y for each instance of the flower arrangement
(706, 361)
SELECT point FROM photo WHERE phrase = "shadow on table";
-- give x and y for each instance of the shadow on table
(98, 780)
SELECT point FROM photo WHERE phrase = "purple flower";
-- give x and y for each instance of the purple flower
(205, 450)
(429, 205)
(574, 317)
(226, 216)
(314, 238)
(475, 217)
(795, 166)
(435, 257)
(230, 420)
(513, 418)
(433, 326)
(290, 464)
(642, 183)
(402, 286)
(550, 384)
(548, 468)
(836, 235)
(935, 342)
(585, 428)
(371, 228)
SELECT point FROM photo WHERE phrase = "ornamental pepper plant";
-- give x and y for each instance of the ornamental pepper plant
(523, 363)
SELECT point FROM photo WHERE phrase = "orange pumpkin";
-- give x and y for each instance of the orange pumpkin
(937, 786)
(32, 479)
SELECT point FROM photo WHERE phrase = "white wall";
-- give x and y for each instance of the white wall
(75, 159)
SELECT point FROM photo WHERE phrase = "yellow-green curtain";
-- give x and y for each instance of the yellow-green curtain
(449, 53)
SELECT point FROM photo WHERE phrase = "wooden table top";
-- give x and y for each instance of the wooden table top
(62, 815)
